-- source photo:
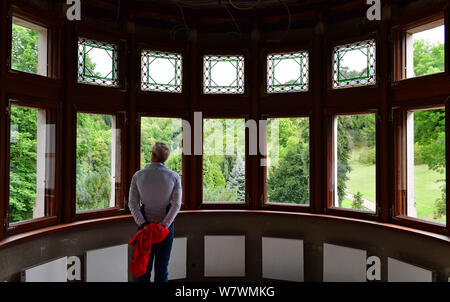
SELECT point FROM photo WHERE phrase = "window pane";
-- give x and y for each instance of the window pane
(426, 177)
(288, 160)
(287, 72)
(354, 64)
(29, 47)
(97, 63)
(161, 71)
(98, 161)
(32, 164)
(355, 150)
(224, 160)
(223, 74)
(425, 49)
(166, 130)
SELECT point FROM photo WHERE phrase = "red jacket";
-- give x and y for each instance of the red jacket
(142, 242)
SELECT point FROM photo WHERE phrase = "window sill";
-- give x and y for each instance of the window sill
(14, 239)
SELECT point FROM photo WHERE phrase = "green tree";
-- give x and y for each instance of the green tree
(24, 49)
(93, 177)
(289, 182)
(167, 130)
(237, 178)
(288, 179)
(343, 154)
(429, 137)
(346, 74)
(212, 173)
(428, 58)
(22, 184)
(222, 174)
(440, 204)
(24, 57)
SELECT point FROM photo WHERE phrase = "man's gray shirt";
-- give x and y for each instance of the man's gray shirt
(155, 187)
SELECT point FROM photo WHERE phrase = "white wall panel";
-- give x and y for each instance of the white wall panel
(53, 271)
(282, 259)
(343, 264)
(399, 271)
(224, 256)
(108, 264)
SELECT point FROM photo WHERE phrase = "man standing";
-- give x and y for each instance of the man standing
(159, 190)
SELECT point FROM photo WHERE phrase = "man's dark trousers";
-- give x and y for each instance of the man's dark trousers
(160, 253)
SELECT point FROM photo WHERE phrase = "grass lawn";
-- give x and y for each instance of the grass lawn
(361, 178)
(427, 187)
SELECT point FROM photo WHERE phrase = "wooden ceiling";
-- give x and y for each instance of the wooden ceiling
(215, 9)
(215, 4)
(225, 15)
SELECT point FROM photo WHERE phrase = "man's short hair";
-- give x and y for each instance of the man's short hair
(161, 151)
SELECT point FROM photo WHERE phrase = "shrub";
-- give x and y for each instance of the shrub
(368, 156)
(357, 202)
(439, 205)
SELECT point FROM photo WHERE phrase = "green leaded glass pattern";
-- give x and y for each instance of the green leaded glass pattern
(161, 71)
(97, 63)
(223, 74)
(287, 72)
(354, 64)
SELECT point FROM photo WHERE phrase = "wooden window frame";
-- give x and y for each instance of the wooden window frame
(232, 204)
(170, 47)
(333, 41)
(92, 79)
(111, 37)
(253, 100)
(159, 52)
(244, 79)
(121, 191)
(54, 39)
(53, 215)
(263, 204)
(376, 64)
(330, 209)
(399, 51)
(226, 50)
(398, 209)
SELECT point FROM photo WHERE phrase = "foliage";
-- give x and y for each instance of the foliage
(236, 180)
(368, 156)
(429, 125)
(429, 138)
(224, 170)
(167, 130)
(224, 175)
(357, 202)
(354, 132)
(439, 204)
(93, 176)
(289, 181)
(24, 51)
(343, 154)
(288, 177)
(219, 194)
(428, 58)
(212, 172)
(22, 185)
(429, 135)
(346, 74)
